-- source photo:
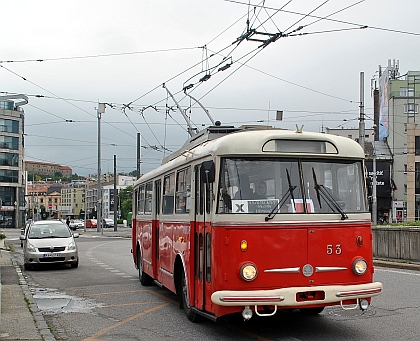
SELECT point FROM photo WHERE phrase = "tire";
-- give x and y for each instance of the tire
(144, 278)
(311, 311)
(75, 265)
(192, 316)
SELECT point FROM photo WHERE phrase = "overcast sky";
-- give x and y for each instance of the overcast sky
(121, 52)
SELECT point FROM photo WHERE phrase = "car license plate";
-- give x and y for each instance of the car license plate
(52, 255)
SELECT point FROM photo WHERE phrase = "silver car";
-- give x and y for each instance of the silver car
(49, 242)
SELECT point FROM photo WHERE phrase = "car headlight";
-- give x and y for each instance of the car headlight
(360, 266)
(72, 246)
(248, 272)
(30, 247)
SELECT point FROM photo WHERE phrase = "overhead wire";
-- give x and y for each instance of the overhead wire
(330, 19)
(98, 55)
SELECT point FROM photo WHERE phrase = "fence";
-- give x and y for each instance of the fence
(396, 243)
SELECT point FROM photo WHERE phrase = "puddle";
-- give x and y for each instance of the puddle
(53, 301)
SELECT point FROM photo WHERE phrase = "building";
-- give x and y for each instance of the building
(12, 179)
(44, 200)
(73, 199)
(107, 187)
(399, 97)
(351, 133)
(47, 169)
(123, 181)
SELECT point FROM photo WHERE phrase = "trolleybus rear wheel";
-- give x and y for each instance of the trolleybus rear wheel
(144, 278)
(192, 316)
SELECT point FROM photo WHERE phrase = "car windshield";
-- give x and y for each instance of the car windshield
(48, 231)
(291, 185)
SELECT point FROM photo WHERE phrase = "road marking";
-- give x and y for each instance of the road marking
(128, 304)
(115, 292)
(105, 330)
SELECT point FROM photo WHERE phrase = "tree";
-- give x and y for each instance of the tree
(125, 193)
(126, 207)
(125, 196)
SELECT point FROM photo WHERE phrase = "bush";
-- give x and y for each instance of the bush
(2, 236)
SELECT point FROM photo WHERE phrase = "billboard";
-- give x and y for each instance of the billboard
(383, 104)
(383, 178)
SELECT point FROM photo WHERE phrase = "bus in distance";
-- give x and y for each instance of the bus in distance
(252, 221)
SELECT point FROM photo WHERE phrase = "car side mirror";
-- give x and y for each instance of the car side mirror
(22, 237)
(75, 235)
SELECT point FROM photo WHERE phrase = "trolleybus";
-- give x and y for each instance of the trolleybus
(257, 220)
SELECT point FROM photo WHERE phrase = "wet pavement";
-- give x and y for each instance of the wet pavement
(22, 306)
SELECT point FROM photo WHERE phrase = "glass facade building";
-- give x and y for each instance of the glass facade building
(12, 179)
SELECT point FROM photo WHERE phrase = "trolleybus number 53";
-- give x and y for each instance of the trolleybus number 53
(330, 249)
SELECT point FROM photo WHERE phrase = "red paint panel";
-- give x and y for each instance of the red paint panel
(336, 246)
(268, 248)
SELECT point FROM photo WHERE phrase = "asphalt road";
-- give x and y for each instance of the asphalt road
(103, 300)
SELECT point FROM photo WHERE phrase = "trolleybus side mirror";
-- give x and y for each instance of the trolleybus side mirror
(207, 171)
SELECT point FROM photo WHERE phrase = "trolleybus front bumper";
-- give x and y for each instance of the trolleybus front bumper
(297, 296)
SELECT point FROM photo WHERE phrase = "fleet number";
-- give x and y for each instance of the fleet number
(331, 249)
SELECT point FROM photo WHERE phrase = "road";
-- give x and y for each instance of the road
(103, 300)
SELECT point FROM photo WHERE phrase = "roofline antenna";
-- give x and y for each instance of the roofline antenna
(202, 106)
(192, 131)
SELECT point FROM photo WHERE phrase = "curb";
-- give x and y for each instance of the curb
(40, 322)
(396, 264)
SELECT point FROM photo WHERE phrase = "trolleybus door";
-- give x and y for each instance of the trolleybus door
(156, 227)
(202, 238)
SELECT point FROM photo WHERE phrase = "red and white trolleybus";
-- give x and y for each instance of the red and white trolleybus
(256, 220)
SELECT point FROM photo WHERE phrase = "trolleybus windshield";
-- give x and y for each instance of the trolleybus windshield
(291, 185)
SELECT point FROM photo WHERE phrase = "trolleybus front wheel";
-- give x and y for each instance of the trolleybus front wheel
(144, 278)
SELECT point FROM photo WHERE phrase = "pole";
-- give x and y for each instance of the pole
(115, 193)
(138, 154)
(374, 199)
(362, 114)
(100, 111)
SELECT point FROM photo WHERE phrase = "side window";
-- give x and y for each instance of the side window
(135, 203)
(141, 200)
(148, 198)
(158, 186)
(168, 194)
(183, 191)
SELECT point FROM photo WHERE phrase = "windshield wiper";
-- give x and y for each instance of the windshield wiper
(286, 196)
(321, 192)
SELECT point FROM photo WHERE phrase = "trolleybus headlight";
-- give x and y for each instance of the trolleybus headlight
(248, 272)
(359, 266)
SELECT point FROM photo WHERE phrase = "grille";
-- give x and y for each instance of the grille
(56, 249)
